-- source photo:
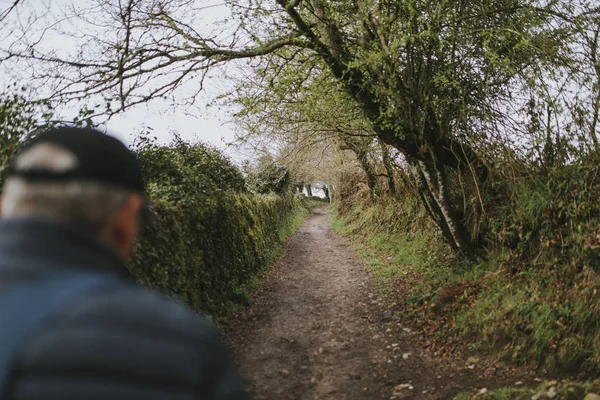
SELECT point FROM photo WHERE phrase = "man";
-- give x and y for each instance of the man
(73, 325)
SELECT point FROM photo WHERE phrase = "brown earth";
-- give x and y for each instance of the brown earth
(318, 329)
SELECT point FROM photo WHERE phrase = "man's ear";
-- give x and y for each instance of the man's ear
(129, 217)
(123, 232)
(130, 212)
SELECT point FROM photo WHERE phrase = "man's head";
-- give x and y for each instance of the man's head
(78, 176)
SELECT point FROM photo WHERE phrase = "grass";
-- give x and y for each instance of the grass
(391, 255)
(563, 390)
(542, 312)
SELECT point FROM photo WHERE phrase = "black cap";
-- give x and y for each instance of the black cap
(100, 158)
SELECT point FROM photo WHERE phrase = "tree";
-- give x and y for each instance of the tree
(309, 114)
(17, 120)
(427, 75)
(361, 148)
(268, 176)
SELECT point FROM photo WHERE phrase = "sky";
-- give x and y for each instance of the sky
(205, 124)
(201, 123)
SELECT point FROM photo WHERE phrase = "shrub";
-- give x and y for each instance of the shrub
(209, 236)
(533, 301)
(16, 121)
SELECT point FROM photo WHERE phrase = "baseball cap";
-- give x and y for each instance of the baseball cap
(100, 158)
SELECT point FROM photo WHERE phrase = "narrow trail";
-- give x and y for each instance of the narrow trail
(318, 330)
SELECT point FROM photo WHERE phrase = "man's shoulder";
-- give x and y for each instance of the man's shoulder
(130, 336)
(140, 311)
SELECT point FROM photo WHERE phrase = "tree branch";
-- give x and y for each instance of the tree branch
(5, 14)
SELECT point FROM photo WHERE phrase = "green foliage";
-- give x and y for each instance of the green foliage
(17, 119)
(182, 165)
(20, 119)
(269, 177)
(209, 237)
(431, 78)
(396, 238)
(273, 179)
(556, 217)
(533, 301)
(564, 390)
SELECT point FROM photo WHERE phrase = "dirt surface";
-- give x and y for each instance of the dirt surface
(318, 329)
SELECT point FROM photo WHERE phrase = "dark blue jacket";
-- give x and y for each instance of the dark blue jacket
(130, 343)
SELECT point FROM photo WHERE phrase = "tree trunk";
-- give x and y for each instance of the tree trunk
(309, 190)
(367, 167)
(389, 168)
(593, 46)
(361, 151)
(432, 186)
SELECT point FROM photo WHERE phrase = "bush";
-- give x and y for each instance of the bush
(183, 166)
(533, 301)
(16, 121)
(209, 237)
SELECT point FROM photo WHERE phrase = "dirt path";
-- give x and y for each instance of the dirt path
(318, 330)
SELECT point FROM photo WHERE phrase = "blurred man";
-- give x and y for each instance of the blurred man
(73, 324)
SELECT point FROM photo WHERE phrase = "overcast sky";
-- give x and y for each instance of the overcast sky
(207, 124)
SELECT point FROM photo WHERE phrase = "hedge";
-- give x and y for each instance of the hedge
(206, 254)
(209, 236)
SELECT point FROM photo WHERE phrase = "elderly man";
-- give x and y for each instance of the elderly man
(73, 325)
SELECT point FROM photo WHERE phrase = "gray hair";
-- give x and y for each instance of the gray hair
(84, 203)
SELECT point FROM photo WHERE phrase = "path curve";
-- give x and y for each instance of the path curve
(318, 330)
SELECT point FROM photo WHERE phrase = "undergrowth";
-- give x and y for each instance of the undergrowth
(533, 301)
(565, 390)
(392, 250)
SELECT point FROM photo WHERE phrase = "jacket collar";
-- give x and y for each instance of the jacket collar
(48, 242)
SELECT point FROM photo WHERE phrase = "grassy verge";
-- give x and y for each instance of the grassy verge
(392, 257)
(397, 253)
(565, 390)
(541, 312)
